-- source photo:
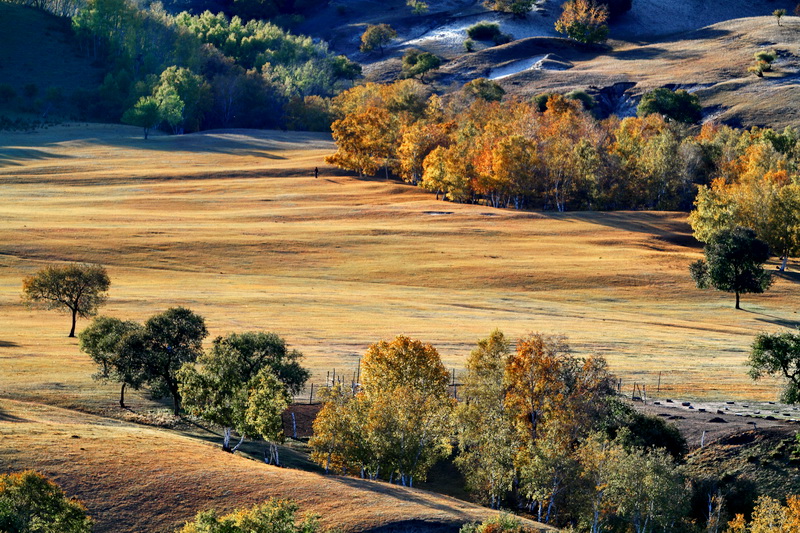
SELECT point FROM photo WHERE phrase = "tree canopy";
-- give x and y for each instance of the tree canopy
(76, 288)
(584, 21)
(102, 340)
(377, 36)
(164, 344)
(778, 354)
(733, 263)
(30, 503)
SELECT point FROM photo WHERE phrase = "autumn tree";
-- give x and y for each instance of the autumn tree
(31, 503)
(733, 263)
(402, 415)
(77, 288)
(167, 341)
(778, 354)
(779, 14)
(769, 516)
(102, 340)
(584, 21)
(377, 36)
(485, 437)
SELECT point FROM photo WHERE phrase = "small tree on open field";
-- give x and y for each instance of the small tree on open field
(30, 503)
(418, 63)
(779, 14)
(76, 288)
(274, 516)
(584, 21)
(102, 340)
(164, 344)
(145, 114)
(734, 263)
(377, 36)
(778, 354)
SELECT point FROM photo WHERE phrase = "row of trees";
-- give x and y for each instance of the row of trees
(551, 153)
(243, 383)
(526, 428)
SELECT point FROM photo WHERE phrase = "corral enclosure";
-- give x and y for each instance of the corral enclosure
(233, 225)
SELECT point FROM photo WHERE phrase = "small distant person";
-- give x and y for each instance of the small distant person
(316, 172)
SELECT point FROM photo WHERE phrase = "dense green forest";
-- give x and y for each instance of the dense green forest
(189, 72)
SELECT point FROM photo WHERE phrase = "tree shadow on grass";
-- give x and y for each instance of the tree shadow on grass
(8, 417)
(776, 320)
(402, 494)
(8, 344)
(12, 156)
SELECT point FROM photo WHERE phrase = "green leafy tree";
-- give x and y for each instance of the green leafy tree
(170, 107)
(77, 288)
(733, 263)
(584, 21)
(676, 105)
(273, 516)
(418, 63)
(779, 14)
(166, 342)
(192, 90)
(221, 386)
(30, 503)
(102, 341)
(485, 436)
(144, 114)
(647, 490)
(377, 36)
(778, 354)
(267, 399)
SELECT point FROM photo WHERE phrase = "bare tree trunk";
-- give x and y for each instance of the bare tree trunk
(74, 319)
(122, 395)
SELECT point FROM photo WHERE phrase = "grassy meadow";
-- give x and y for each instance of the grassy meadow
(234, 226)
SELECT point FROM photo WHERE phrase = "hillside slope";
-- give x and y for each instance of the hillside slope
(137, 479)
(39, 48)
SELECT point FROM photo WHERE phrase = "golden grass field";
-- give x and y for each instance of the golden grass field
(234, 226)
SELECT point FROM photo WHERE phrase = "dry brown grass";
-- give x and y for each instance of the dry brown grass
(712, 61)
(234, 226)
(135, 479)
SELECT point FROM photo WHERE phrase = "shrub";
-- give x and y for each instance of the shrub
(500, 523)
(469, 45)
(484, 31)
(583, 97)
(676, 105)
(274, 516)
